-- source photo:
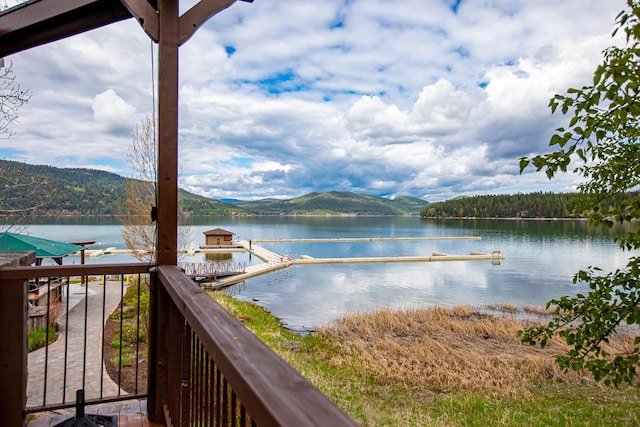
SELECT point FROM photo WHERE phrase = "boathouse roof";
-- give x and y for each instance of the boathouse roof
(217, 232)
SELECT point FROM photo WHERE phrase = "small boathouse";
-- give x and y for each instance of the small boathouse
(218, 237)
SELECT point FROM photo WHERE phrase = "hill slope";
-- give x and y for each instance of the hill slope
(336, 202)
(77, 191)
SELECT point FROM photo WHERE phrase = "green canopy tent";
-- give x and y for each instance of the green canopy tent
(44, 248)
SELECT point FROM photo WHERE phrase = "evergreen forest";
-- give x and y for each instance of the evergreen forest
(530, 205)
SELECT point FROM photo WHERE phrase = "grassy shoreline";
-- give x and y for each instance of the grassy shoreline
(441, 367)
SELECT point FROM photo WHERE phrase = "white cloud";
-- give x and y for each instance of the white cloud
(280, 98)
(112, 113)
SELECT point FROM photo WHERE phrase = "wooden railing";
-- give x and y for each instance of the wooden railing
(76, 361)
(205, 367)
(225, 376)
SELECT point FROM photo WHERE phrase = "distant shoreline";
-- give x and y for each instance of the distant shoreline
(514, 218)
(336, 215)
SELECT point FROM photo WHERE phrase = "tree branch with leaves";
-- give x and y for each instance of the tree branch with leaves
(139, 231)
(21, 194)
(603, 137)
(12, 98)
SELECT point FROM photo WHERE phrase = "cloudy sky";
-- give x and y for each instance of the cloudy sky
(429, 98)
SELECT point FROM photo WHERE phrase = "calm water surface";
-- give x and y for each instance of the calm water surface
(541, 259)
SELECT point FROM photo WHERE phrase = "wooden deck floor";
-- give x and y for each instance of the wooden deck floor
(131, 413)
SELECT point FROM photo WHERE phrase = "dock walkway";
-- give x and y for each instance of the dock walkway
(364, 239)
(435, 257)
(274, 261)
(271, 262)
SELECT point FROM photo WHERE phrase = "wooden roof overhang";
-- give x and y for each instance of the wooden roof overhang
(37, 22)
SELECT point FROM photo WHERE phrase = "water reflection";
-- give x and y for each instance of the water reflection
(541, 259)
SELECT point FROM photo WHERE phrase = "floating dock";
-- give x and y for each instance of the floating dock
(274, 261)
(271, 262)
(190, 252)
(435, 257)
(363, 239)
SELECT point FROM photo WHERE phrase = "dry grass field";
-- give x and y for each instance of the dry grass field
(445, 367)
(449, 349)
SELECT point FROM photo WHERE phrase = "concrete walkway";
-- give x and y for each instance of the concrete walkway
(77, 367)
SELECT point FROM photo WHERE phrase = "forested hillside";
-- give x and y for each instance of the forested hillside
(76, 191)
(336, 202)
(532, 205)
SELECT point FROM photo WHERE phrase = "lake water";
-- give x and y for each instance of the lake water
(541, 259)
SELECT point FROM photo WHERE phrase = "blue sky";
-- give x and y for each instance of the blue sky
(429, 98)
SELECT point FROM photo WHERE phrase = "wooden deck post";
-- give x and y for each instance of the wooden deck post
(13, 351)
(167, 184)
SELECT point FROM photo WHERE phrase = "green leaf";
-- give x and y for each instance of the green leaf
(604, 123)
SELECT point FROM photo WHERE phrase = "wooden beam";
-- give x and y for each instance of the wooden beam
(200, 13)
(38, 22)
(146, 15)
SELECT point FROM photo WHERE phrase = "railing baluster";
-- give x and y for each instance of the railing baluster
(84, 353)
(191, 397)
(66, 342)
(174, 365)
(185, 392)
(138, 336)
(207, 390)
(46, 351)
(201, 380)
(121, 333)
(195, 370)
(104, 309)
(193, 348)
(225, 403)
(218, 398)
(243, 415)
(233, 408)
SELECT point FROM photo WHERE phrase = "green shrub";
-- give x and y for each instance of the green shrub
(131, 304)
(122, 361)
(38, 339)
(127, 313)
(129, 334)
(131, 295)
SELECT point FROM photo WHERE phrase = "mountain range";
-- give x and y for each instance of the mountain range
(78, 191)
